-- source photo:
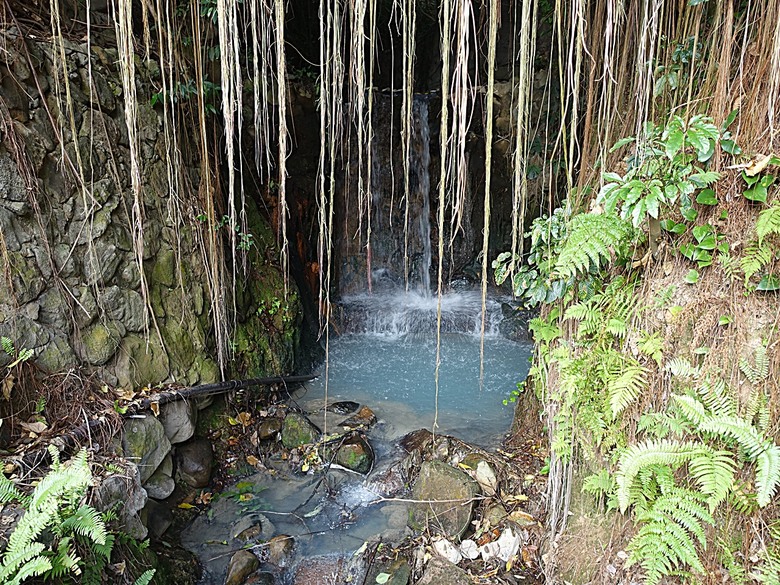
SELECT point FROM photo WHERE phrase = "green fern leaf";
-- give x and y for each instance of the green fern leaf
(8, 491)
(624, 390)
(768, 222)
(8, 346)
(755, 258)
(654, 452)
(714, 472)
(682, 368)
(87, 522)
(145, 578)
(758, 371)
(767, 475)
(593, 239)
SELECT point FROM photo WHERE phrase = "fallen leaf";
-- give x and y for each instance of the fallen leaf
(244, 418)
(185, 506)
(204, 498)
(252, 460)
(8, 385)
(34, 427)
(155, 408)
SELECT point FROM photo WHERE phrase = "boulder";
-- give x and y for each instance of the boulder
(99, 342)
(442, 572)
(355, 454)
(123, 492)
(160, 485)
(298, 430)
(363, 418)
(157, 517)
(242, 564)
(269, 428)
(194, 462)
(398, 573)
(145, 444)
(343, 407)
(280, 550)
(179, 419)
(253, 527)
(439, 481)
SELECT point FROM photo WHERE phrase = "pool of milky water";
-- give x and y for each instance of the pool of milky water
(386, 360)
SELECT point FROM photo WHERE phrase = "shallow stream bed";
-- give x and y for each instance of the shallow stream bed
(385, 359)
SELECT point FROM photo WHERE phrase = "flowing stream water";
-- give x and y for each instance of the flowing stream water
(385, 358)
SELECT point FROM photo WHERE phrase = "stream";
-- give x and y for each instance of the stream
(385, 359)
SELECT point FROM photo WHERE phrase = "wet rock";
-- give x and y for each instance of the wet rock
(253, 527)
(363, 418)
(439, 481)
(261, 579)
(160, 485)
(388, 482)
(343, 407)
(442, 572)
(514, 326)
(298, 430)
(145, 444)
(179, 419)
(242, 564)
(398, 572)
(194, 462)
(355, 454)
(445, 549)
(269, 428)
(157, 517)
(123, 493)
(329, 570)
(416, 441)
(280, 550)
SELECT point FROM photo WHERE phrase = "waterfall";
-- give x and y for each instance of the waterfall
(419, 169)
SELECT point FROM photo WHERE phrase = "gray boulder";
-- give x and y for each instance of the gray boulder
(194, 462)
(145, 444)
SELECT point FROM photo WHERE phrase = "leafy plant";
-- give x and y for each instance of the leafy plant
(57, 529)
(17, 358)
(665, 170)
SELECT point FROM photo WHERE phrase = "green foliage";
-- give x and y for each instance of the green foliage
(592, 241)
(58, 535)
(534, 282)
(9, 348)
(664, 172)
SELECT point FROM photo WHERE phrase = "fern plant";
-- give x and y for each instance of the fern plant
(593, 240)
(56, 526)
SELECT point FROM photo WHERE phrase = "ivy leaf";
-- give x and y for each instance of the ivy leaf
(756, 193)
(687, 250)
(382, 578)
(730, 147)
(674, 142)
(692, 277)
(769, 283)
(689, 213)
(730, 119)
(622, 142)
(707, 197)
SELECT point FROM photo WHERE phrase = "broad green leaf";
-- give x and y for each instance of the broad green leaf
(701, 231)
(730, 119)
(704, 178)
(707, 197)
(708, 243)
(382, 578)
(689, 213)
(687, 250)
(725, 319)
(692, 277)
(769, 282)
(756, 193)
(731, 147)
(674, 142)
(622, 142)
(750, 180)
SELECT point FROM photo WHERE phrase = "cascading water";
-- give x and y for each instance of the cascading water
(420, 168)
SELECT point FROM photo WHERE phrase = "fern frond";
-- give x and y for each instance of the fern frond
(145, 578)
(626, 388)
(758, 371)
(33, 568)
(653, 452)
(714, 472)
(86, 521)
(15, 559)
(717, 398)
(599, 484)
(664, 544)
(592, 240)
(768, 222)
(767, 475)
(691, 408)
(8, 491)
(682, 368)
(744, 433)
(756, 256)
(8, 346)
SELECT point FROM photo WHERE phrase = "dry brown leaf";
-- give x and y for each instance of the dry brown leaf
(8, 385)
(252, 460)
(36, 427)
(155, 408)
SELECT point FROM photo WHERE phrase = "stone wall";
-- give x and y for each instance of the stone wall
(71, 289)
